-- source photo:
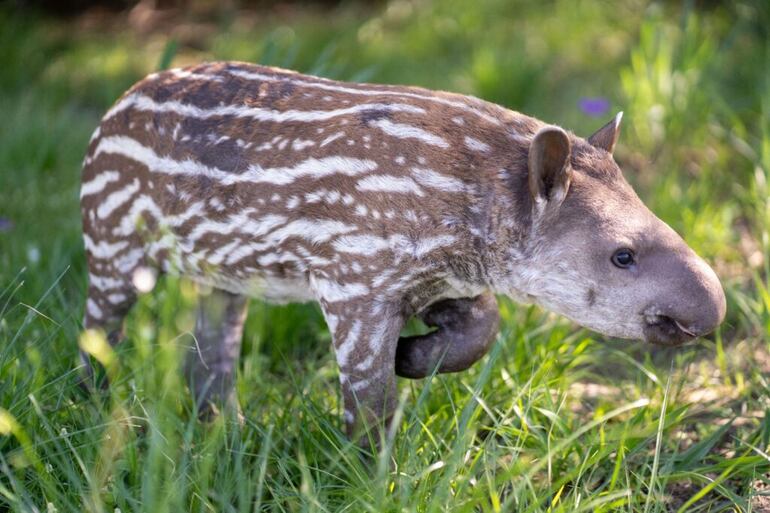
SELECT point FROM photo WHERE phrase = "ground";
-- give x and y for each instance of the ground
(555, 419)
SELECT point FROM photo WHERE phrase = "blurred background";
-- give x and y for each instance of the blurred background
(693, 78)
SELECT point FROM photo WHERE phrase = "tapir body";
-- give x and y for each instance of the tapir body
(381, 203)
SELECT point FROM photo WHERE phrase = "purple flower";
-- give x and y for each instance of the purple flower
(5, 224)
(597, 106)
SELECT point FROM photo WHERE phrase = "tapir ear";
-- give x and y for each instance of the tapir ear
(549, 168)
(606, 137)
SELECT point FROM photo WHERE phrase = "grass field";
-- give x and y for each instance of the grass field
(554, 419)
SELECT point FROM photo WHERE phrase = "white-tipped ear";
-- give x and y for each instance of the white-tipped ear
(607, 136)
(549, 168)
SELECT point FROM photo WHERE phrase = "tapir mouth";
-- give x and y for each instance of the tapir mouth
(664, 330)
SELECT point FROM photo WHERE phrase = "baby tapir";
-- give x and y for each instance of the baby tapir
(379, 202)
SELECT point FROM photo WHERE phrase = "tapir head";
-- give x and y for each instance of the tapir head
(600, 257)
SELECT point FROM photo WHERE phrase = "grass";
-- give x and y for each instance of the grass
(554, 419)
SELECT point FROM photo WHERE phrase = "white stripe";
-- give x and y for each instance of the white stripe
(330, 86)
(93, 309)
(364, 383)
(434, 180)
(181, 73)
(194, 210)
(476, 145)
(315, 168)
(404, 131)
(128, 261)
(333, 291)
(368, 245)
(276, 258)
(382, 277)
(389, 183)
(147, 104)
(425, 246)
(241, 222)
(103, 249)
(96, 134)
(117, 199)
(315, 231)
(142, 204)
(366, 363)
(98, 183)
(166, 242)
(223, 251)
(104, 282)
(360, 244)
(346, 347)
(331, 138)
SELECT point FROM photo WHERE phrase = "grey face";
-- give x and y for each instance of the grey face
(602, 258)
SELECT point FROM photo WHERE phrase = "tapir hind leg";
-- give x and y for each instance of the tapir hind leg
(110, 296)
(211, 364)
(466, 330)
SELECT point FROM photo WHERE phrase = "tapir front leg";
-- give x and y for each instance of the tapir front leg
(365, 336)
(211, 365)
(466, 330)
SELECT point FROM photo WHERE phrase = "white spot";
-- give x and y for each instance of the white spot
(299, 144)
(476, 145)
(116, 298)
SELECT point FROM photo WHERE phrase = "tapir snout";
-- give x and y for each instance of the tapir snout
(688, 300)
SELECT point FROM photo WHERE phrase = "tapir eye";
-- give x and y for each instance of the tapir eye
(623, 258)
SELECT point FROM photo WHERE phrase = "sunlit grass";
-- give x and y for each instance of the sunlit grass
(554, 419)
